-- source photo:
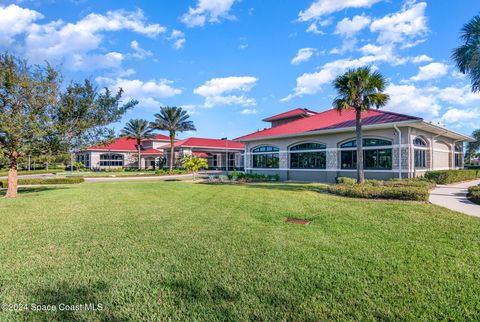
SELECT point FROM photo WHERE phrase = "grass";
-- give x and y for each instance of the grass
(4, 173)
(183, 251)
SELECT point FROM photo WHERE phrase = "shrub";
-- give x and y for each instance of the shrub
(251, 177)
(451, 176)
(345, 180)
(380, 192)
(40, 181)
(474, 194)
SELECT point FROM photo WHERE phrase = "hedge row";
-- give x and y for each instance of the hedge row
(379, 192)
(252, 177)
(451, 176)
(474, 194)
(39, 181)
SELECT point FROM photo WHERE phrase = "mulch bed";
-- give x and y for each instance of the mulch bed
(296, 221)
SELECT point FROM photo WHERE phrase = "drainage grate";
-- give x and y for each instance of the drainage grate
(297, 221)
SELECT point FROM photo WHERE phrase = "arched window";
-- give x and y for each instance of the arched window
(419, 142)
(111, 160)
(373, 156)
(420, 153)
(265, 157)
(308, 156)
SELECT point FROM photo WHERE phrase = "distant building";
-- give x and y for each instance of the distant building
(123, 153)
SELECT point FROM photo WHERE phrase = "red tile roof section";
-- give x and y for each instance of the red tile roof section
(201, 154)
(291, 113)
(207, 143)
(161, 137)
(330, 119)
(152, 151)
(120, 144)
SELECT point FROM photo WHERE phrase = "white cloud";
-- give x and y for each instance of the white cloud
(15, 20)
(411, 100)
(77, 45)
(455, 115)
(421, 59)
(303, 55)
(313, 28)
(455, 95)
(210, 11)
(404, 26)
(249, 111)
(147, 93)
(178, 39)
(139, 53)
(323, 7)
(430, 71)
(349, 27)
(220, 91)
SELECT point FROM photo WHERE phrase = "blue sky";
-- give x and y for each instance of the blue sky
(232, 63)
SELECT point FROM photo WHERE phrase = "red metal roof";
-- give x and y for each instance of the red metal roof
(201, 154)
(207, 143)
(161, 137)
(330, 119)
(152, 151)
(289, 114)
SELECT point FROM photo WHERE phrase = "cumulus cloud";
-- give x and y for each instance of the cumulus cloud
(147, 93)
(227, 91)
(455, 115)
(138, 52)
(323, 7)
(409, 99)
(211, 11)
(178, 39)
(405, 26)
(430, 71)
(303, 55)
(15, 20)
(78, 45)
(349, 27)
(421, 59)
(249, 111)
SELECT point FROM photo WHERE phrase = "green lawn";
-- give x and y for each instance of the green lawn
(183, 251)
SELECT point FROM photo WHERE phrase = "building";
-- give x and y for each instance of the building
(123, 153)
(309, 146)
(214, 150)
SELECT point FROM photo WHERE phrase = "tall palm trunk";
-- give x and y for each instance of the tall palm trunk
(139, 157)
(358, 132)
(12, 175)
(172, 149)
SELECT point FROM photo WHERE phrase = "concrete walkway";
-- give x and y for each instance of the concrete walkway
(454, 197)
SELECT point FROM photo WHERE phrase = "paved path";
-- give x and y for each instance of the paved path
(454, 197)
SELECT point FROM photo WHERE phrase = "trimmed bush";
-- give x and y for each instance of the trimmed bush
(252, 177)
(345, 180)
(474, 194)
(380, 192)
(451, 176)
(40, 181)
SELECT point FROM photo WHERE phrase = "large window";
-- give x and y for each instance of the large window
(308, 156)
(111, 160)
(83, 158)
(458, 152)
(373, 158)
(265, 157)
(420, 153)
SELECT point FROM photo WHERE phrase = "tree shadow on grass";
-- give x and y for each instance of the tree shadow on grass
(83, 303)
(289, 187)
(32, 190)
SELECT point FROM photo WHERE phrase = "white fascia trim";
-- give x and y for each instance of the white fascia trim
(329, 131)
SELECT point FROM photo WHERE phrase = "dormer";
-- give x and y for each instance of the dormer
(289, 116)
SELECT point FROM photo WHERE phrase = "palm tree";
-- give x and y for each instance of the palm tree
(139, 130)
(467, 56)
(172, 119)
(360, 89)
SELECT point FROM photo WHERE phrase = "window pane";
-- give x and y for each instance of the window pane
(349, 144)
(384, 159)
(265, 149)
(270, 160)
(419, 142)
(419, 156)
(371, 158)
(308, 160)
(308, 146)
(348, 159)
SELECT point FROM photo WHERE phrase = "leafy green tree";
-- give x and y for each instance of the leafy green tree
(172, 119)
(360, 89)
(194, 164)
(467, 56)
(139, 130)
(473, 147)
(28, 96)
(84, 114)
